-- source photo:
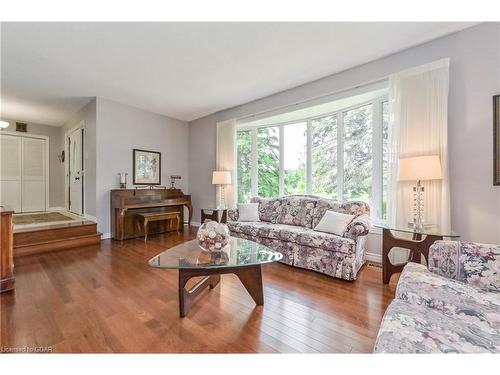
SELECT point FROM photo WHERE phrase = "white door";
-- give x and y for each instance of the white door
(10, 172)
(75, 173)
(33, 174)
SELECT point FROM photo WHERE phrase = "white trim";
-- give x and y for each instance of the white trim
(373, 257)
(80, 125)
(320, 99)
(105, 236)
(194, 223)
(309, 176)
(376, 123)
(90, 217)
(281, 172)
(340, 155)
(56, 209)
(254, 169)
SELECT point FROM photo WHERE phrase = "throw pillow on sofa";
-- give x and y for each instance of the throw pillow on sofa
(248, 212)
(334, 223)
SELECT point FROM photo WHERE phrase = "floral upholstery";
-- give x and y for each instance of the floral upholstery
(337, 264)
(286, 226)
(452, 307)
(326, 241)
(233, 214)
(294, 234)
(408, 328)
(297, 210)
(473, 263)
(473, 306)
(349, 208)
(269, 208)
(360, 226)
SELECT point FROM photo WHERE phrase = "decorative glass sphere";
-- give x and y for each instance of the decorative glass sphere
(213, 236)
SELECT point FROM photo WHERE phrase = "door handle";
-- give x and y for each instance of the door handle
(77, 178)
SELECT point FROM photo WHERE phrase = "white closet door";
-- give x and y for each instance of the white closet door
(10, 172)
(33, 178)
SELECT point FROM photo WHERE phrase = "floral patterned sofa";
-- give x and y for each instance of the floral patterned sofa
(287, 226)
(451, 307)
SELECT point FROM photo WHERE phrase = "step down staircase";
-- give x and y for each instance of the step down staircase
(55, 237)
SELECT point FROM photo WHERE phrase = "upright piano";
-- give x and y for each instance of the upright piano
(126, 203)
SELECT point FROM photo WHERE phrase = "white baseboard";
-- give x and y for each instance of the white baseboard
(56, 209)
(195, 224)
(372, 257)
(105, 236)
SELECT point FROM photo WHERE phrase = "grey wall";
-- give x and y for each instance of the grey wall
(474, 79)
(121, 128)
(56, 168)
(88, 115)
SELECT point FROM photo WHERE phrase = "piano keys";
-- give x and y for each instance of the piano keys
(126, 203)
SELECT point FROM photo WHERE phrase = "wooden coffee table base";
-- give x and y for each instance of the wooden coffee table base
(250, 277)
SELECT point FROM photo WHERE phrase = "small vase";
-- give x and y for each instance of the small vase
(213, 236)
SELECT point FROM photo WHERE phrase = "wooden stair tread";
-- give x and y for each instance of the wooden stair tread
(59, 240)
(55, 237)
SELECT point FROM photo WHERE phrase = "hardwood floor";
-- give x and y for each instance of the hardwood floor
(105, 298)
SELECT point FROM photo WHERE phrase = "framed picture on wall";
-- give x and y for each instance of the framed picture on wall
(147, 167)
(496, 140)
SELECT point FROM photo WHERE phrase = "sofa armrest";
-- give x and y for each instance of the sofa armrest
(233, 214)
(470, 262)
(360, 226)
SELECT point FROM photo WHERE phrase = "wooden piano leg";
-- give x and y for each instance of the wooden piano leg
(121, 220)
(190, 211)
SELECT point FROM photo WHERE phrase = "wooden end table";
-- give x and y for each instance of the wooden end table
(418, 245)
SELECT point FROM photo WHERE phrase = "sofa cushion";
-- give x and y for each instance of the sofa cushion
(297, 210)
(326, 241)
(294, 234)
(248, 212)
(350, 208)
(269, 208)
(419, 286)
(334, 222)
(407, 328)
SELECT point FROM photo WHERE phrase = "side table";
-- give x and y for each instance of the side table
(419, 245)
(216, 214)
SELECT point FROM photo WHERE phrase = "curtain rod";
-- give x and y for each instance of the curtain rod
(379, 80)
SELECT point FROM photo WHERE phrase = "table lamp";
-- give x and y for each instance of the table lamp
(221, 178)
(419, 168)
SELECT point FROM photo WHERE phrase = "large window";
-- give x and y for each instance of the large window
(341, 154)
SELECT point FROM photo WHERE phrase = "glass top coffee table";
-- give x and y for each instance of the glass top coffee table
(240, 257)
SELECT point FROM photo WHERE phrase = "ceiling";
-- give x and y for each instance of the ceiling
(182, 70)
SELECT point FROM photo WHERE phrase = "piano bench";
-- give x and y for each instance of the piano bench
(148, 217)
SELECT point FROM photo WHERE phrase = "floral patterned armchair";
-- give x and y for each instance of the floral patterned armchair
(453, 306)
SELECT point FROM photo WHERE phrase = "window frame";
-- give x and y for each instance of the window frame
(376, 198)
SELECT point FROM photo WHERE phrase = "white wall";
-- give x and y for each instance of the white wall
(474, 79)
(120, 129)
(56, 168)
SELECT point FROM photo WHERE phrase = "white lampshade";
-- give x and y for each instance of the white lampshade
(4, 124)
(221, 178)
(420, 168)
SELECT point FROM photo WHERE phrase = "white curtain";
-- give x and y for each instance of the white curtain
(226, 158)
(418, 106)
